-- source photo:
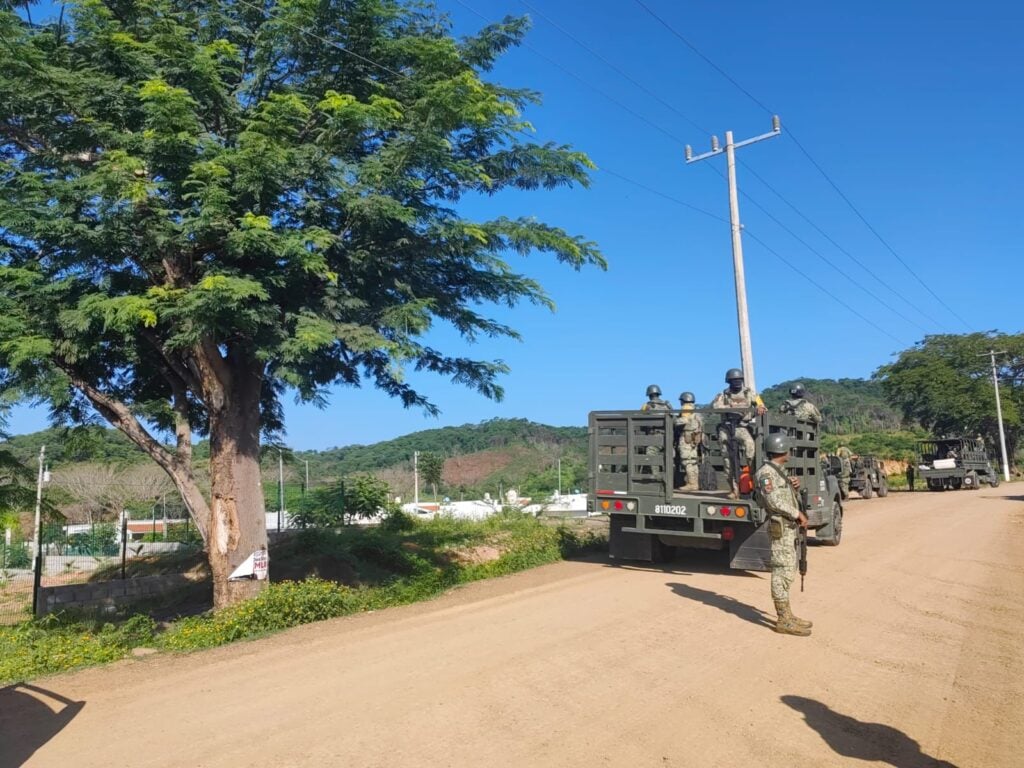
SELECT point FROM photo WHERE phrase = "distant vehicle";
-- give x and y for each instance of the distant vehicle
(867, 477)
(633, 480)
(952, 463)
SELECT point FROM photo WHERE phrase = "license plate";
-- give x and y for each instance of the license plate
(670, 509)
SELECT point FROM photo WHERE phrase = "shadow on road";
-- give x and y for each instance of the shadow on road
(29, 717)
(686, 562)
(850, 737)
(723, 603)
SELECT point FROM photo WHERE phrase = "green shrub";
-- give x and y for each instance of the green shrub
(50, 645)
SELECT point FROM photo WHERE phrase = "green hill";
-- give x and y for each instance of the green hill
(848, 405)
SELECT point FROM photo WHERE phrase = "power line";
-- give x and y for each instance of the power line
(828, 261)
(324, 40)
(806, 153)
(590, 85)
(612, 65)
(839, 247)
(819, 286)
(668, 197)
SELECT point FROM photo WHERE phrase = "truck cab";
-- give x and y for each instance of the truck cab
(632, 478)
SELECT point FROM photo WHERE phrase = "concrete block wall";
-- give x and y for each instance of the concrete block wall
(107, 597)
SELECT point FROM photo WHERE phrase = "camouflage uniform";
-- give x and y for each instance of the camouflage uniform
(654, 404)
(745, 398)
(691, 433)
(780, 500)
(802, 409)
(846, 469)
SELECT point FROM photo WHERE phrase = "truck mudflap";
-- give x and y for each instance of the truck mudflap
(750, 548)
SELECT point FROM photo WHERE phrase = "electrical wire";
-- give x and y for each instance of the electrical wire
(806, 153)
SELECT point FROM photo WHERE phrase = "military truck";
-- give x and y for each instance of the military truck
(952, 463)
(867, 477)
(632, 478)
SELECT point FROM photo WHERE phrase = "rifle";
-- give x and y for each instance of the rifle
(802, 541)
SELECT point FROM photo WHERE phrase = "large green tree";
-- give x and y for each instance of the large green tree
(207, 205)
(945, 383)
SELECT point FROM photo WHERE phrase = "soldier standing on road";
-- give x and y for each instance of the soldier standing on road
(846, 469)
(778, 496)
(800, 407)
(910, 476)
(691, 434)
(737, 396)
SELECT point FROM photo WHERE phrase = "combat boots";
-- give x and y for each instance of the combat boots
(788, 624)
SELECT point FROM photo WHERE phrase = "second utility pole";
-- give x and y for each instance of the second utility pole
(742, 316)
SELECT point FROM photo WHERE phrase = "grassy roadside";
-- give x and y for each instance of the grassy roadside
(315, 575)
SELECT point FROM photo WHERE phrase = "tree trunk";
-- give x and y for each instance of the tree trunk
(237, 526)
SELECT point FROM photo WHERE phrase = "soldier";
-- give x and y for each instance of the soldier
(654, 401)
(910, 476)
(778, 496)
(737, 396)
(845, 470)
(691, 434)
(799, 407)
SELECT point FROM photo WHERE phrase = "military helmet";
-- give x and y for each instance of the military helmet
(777, 443)
(732, 374)
(797, 390)
(654, 391)
(687, 397)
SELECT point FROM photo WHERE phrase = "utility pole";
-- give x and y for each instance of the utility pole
(416, 477)
(999, 410)
(280, 487)
(306, 486)
(742, 317)
(559, 477)
(37, 561)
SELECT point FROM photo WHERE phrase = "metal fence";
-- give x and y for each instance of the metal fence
(76, 554)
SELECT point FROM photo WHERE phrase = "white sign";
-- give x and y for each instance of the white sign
(256, 566)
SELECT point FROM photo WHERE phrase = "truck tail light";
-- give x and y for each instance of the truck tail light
(741, 512)
(725, 511)
(618, 505)
(727, 534)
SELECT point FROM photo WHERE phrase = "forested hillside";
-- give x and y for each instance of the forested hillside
(848, 405)
(478, 458)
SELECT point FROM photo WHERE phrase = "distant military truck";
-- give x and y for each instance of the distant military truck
(868, 477)
(631, 474)
(952, 463)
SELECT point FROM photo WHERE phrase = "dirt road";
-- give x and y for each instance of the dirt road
(916, 660)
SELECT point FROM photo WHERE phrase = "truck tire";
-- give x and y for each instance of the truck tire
(867, 492)
(883, 487)
(956, 483)
(935, 485)
(994, 480)
(837, 526)
(974, 480)
(661, 552)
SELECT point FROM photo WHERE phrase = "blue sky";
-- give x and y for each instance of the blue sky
(914, 112)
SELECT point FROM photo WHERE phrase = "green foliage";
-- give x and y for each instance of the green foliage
(900, 445)
(47, 646)
(447, 441)
(945, 383)
(322, 508)
(847, 405)
(417, 555)
(365, 495)
(77, 444)
(194, 194)
(430, 467)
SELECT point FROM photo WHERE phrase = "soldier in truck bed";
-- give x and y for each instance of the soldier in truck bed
(799, 406)
(690, 431)
(737, 396)
(654, 401)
